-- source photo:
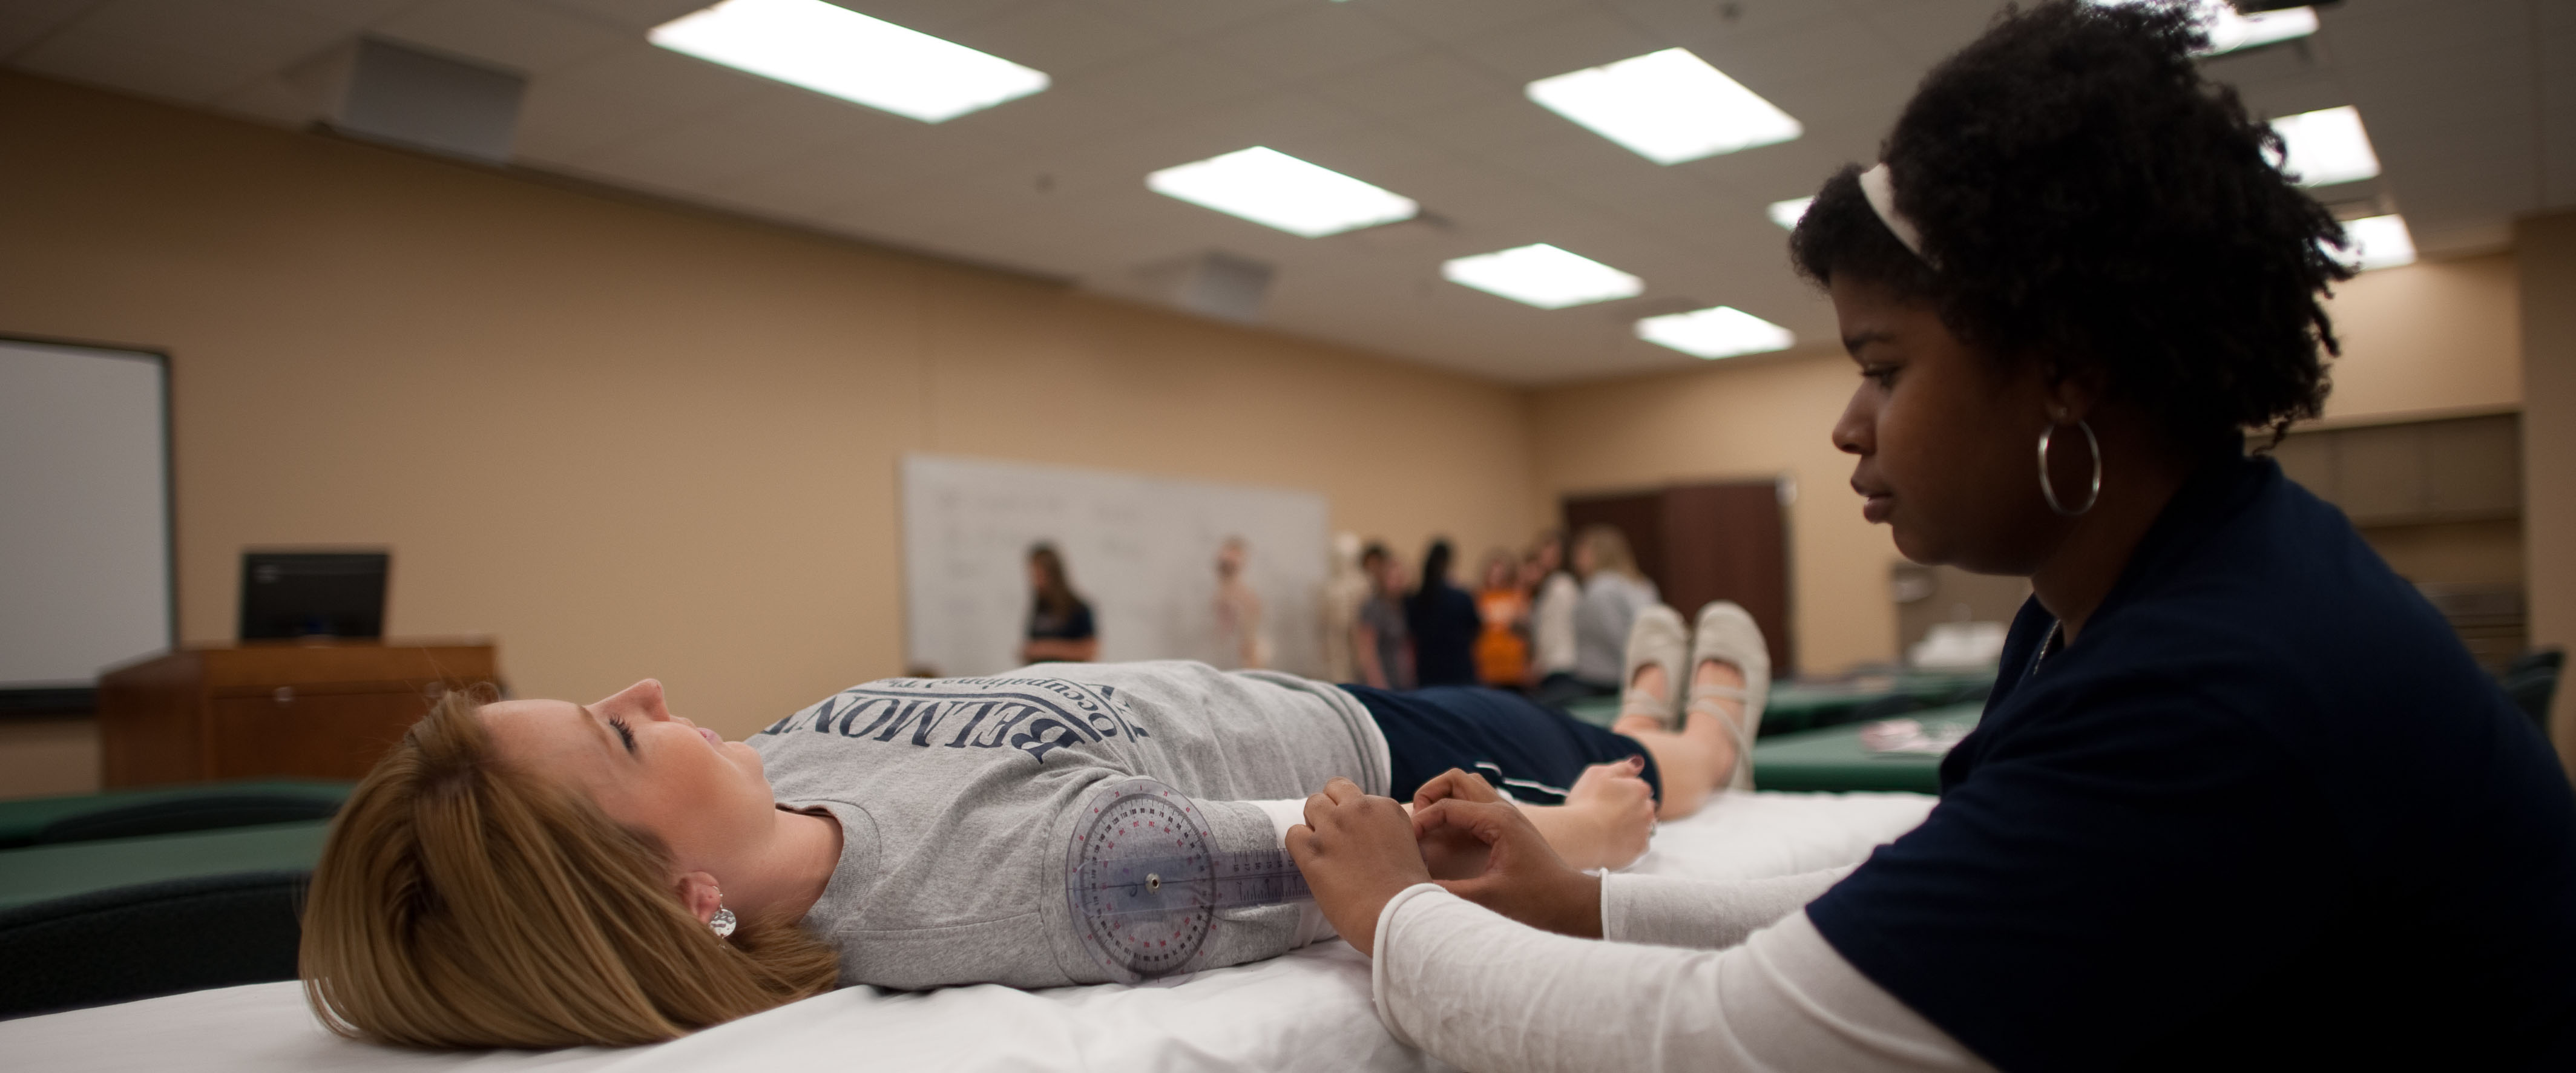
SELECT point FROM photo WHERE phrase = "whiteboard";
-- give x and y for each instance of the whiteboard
(1142, 550)
(84, 512)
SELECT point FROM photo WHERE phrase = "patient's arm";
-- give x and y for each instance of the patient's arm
(1604, 823)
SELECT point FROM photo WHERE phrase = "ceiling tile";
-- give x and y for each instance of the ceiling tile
(1452, 21)
(349, 15)
(515, 34)
(1159, 84)
(1555, 44)
(1190, 18)
(635, 15)
(25, 22)
(185, 49)
(938, 18)
(621, 94)
(1410, 84)
(1686, 22)
(1059, 37)
(1306, 41)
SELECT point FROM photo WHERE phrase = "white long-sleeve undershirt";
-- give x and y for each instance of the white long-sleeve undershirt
(1492, 995)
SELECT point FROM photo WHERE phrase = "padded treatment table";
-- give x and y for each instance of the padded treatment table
(43, 873)
(166, 809)
(1306, 1011)
(121, 918)
(1832, 758)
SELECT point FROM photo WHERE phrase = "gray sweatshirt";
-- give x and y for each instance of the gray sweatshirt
(957, 796)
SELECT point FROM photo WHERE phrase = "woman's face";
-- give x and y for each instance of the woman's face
(1945, 439)
(703, 796)
(1037, 575)
(1583, 562)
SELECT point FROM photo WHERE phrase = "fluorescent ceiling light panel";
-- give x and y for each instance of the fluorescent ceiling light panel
(1667, 106)
(2377, 242)
(2229, 31)
(2326, 147)
(1715, 332)
(1273, 189)
(834, 50)
(1544, 276)
(1788, 213)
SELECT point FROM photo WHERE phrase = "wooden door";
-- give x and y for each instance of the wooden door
(1731, 542)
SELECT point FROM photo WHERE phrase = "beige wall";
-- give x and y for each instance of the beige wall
(629, 440)
(2430, 338)
(2546, 252)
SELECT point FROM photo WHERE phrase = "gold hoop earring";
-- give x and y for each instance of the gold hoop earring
(2048, 490)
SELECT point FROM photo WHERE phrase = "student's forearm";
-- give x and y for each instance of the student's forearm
(1482, 992)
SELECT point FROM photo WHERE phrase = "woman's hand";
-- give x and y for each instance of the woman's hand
(1450, 852)
(1357, 852)
(1523, 878)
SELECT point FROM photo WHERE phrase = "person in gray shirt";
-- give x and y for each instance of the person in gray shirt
(536, 873)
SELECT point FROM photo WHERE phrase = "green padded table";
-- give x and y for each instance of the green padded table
(40, 873)
(21, 820)
(1833, 759)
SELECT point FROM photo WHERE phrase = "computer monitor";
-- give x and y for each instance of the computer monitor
(287, 594)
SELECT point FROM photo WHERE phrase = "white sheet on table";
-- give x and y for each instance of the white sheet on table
(1306, 1011)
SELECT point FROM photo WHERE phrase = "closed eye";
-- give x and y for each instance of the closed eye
(624, 733)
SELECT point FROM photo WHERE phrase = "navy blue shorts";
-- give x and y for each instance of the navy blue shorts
(1528, 752)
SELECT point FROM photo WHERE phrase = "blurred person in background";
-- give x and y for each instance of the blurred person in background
(1502, 649)
(1553, 594)
(1444, 623)
(1238, 609)
(1060, 629)
(1344, 593)
(1613, 593)
(1379, 640)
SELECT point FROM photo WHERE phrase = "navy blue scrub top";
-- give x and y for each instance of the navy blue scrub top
(2265, 812)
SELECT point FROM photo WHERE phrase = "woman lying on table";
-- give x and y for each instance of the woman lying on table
(542, 873)
(2240, 799)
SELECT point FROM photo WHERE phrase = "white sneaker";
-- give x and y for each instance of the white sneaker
(1727, 634)
(1657, 638)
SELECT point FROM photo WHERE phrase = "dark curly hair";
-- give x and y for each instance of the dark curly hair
(2091, 202)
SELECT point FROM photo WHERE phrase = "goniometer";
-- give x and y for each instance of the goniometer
(1145, 880)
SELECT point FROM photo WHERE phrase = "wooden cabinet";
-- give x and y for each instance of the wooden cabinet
(326, 711)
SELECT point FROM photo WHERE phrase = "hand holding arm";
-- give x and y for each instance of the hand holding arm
(1357, 852)
(1523, 879)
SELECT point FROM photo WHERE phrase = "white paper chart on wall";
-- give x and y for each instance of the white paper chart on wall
(1142, 550)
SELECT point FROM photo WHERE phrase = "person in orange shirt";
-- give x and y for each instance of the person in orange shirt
(1502, 649)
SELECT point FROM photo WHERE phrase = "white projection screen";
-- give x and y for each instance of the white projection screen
(85, 576)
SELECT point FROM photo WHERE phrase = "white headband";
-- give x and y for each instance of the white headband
(1880, 189)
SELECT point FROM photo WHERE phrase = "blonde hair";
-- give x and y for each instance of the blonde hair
(460, 902)
(1609, 548)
